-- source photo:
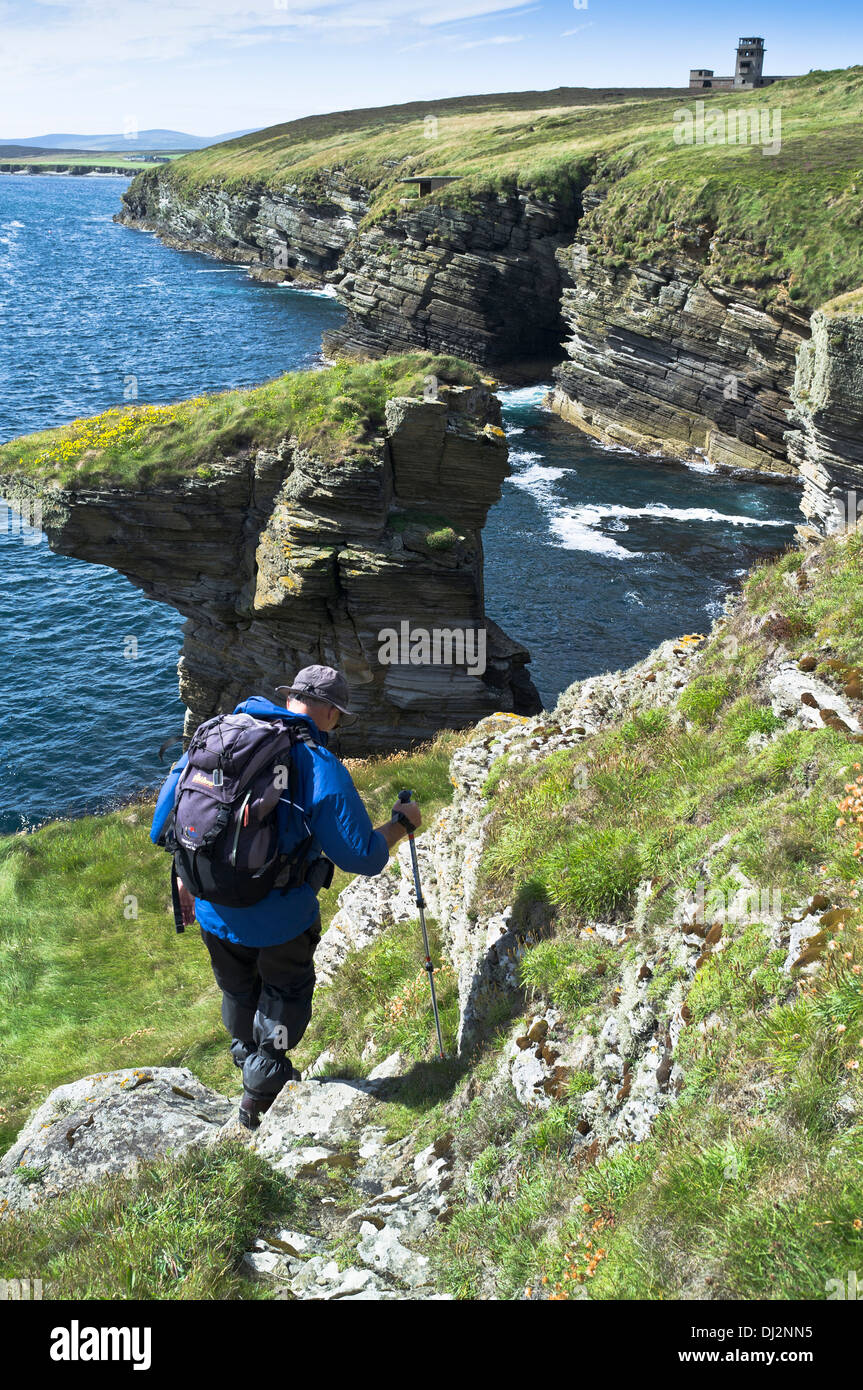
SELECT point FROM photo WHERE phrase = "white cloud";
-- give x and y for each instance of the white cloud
(496, 38)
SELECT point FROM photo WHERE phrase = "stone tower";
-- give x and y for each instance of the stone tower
(750, 63)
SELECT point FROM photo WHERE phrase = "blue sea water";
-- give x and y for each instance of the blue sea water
(592, 555)
(601, 554)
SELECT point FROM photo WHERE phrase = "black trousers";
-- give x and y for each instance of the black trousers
(266, 1004)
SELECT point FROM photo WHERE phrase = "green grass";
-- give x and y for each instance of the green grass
(656, 797)
(381, 994)
(739, 215)
(53, 161)
(334, 413)
(569, 972)
(178, 1229)
(751, 1183)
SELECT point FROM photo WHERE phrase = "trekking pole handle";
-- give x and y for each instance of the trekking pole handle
(404, 796)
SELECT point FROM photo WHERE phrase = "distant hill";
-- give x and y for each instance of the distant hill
(145, 140)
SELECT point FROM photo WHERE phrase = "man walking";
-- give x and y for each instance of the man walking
(263, 955)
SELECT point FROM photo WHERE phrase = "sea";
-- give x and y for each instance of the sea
(592, 556)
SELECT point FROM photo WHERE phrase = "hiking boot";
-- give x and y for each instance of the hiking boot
(251, 1110)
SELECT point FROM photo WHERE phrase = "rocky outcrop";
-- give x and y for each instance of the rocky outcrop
(484, 945)
(281, 558)
(666, 361)
(483, 283)
(108, 1124)
(827, 443)
(111, 1123)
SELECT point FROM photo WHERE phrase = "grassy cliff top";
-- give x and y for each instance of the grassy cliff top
(786, 222)
(333, 412)
(850, 303)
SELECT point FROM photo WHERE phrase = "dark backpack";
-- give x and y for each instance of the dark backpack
(223, 830)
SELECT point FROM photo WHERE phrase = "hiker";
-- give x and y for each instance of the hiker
(263, 954)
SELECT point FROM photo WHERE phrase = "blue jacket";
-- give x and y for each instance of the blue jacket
(329, 807)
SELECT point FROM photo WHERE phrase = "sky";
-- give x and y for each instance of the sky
(211, 66)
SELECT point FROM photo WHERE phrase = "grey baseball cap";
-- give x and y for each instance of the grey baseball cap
(320, 683)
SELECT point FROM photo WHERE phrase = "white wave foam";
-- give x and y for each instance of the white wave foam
(539, 481)
(661, 512)
(525, 395)
(323, 292)
(576, 528)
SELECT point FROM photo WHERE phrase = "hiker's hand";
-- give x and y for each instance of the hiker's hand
(187, 904)
(411, 811)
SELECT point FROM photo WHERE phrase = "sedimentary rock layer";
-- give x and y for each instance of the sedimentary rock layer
(281, 236)
(665, 363)
(280, 559)
(827, 443)
(482, 283)
(662, 359)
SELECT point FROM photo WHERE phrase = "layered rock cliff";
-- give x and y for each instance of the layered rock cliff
(826, 444)
(281, 236)
(279, 558)
(660, 358)
(667, 362)
(482, 282)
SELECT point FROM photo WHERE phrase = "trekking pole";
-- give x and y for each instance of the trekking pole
(406, 796)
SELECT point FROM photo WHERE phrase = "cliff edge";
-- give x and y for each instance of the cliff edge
(288, 553)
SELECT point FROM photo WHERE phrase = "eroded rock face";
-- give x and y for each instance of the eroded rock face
(281, 236)
(482, 283)
(664, 363)
(827, 445)
(281, 559)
